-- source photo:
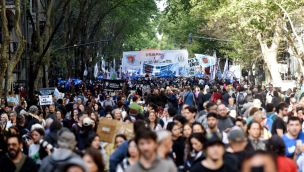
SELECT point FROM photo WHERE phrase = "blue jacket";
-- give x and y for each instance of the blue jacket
(118, 155)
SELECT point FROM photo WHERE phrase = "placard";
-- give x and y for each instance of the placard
(113, 84)
(109, 128)
(45, 100)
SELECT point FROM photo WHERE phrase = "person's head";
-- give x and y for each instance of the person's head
(175, 129)
(276, 145)
(222, 110)
(171, 112)
(214, 147)
(152, 117)
(14, 146)
(189, 113)
(52, 108)
(253, 110)
(13, 116)
(293, 126)
(135, 98)
(197, 141)
(237, 139)
(300, 112)
(164, 141)
(95, 141)
(119, 139)
(132, 149)
(211, 107)
(231, 101)
(254, 130)
(269, 107)
(212, 120)
(81, 116)
(259, 161)
(282, 109)
(270, 87)
(93, 160)
(117, 114)
(198, 128)
(187, 130)
(180, 120)
(4, 117)
(109, 116)
(37, 134)
(81, 108)
(259, 116)
(66, 139)
(59, 115)
(146, 142)
(240, 122)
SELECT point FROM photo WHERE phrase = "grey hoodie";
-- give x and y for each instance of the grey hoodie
(60, 159)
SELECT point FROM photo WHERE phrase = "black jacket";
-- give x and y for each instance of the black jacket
(8, 166)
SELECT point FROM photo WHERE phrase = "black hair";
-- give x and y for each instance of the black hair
(197, 123)
(171, 112)
(281, 106)
(276, 145)
(209, 105)
(170, 126)
(180, 119)
(240, 120)
(198, 136)
(269, 107)
(293, 118)
(211, 114)
(145, 134)
(139, 125)
(191, 109)
(299, 109)
(39, 130)
(9, 136)
(121, 136)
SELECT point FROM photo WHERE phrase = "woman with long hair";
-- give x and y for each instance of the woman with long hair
(93, 160)
(133, 156)
(153, 121)
(195, 155)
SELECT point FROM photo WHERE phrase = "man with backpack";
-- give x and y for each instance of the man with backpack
(240, 99)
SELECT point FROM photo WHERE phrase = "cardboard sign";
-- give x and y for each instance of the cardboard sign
(45, 100)
(108, 129)
(12, 100)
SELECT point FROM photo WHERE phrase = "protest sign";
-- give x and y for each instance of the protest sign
(109, 128)
(45, 100)
(47, 91)
(113, 84)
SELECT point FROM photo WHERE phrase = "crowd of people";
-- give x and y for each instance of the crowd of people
(180, 125)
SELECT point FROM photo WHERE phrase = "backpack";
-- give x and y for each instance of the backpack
(269, 121)
(241, 99)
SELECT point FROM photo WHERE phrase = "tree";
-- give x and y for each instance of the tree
(8, 60)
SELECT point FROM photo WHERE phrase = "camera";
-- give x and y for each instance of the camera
(46, 145)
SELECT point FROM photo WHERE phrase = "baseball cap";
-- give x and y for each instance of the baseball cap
(236, 135)
(87, 121)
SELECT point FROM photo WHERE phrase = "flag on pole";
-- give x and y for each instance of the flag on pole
(226, 68)
(85, 72)
(96, 71)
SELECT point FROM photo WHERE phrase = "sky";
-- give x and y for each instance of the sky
(161, 4)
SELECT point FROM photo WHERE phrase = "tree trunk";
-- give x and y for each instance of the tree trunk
(270, 53)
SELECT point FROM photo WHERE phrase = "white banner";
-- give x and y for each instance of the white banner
(134, 61)
(45, 100)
